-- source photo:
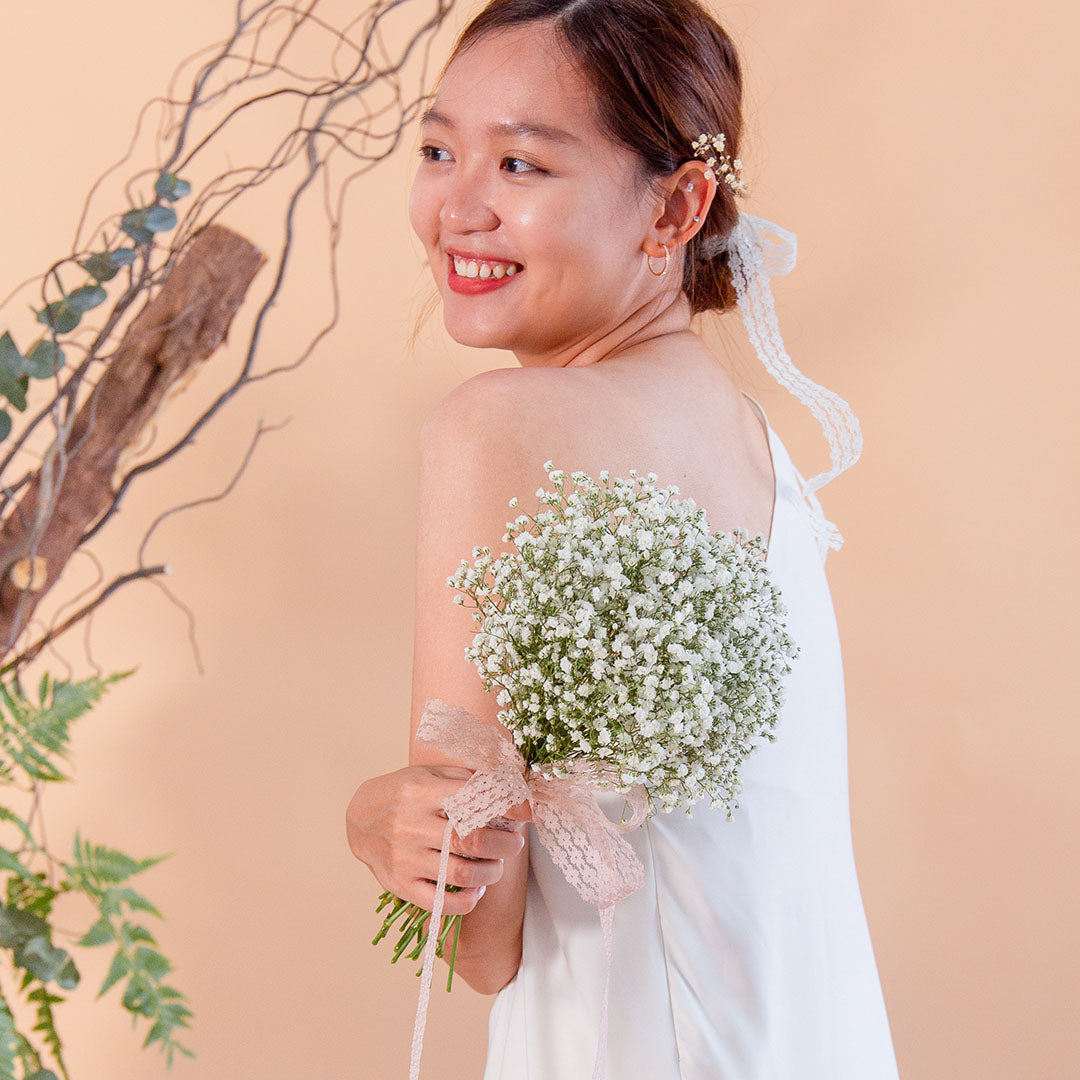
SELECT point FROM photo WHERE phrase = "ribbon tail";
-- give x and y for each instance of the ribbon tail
(587, 848)
(607, 922)
(434, 922)
(753, 259)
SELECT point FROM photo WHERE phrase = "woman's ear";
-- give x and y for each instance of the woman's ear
(689, 193)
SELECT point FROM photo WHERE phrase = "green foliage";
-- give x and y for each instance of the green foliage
(9, 1041)
(46, 1024)
(33, 735)
(141, 225)
(171, 187)
(13, 380)
(63, 315)
(29, 937)
(34, 739)
(44, 359)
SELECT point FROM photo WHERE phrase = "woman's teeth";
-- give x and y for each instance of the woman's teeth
(472, 268)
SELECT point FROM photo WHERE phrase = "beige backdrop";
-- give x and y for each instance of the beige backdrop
(922, 154)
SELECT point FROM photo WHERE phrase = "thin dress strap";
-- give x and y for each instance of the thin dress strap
(825, 533)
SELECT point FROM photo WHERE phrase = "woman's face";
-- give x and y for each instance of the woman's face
(517, 182)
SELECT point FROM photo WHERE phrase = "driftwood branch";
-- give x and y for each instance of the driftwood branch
(183, 325)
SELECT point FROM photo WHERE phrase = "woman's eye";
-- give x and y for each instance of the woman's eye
(515, 165)
(519, 161)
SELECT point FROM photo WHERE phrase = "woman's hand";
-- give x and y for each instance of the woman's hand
(395, 824)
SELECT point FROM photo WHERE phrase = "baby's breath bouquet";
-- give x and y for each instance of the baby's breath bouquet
(622, 633)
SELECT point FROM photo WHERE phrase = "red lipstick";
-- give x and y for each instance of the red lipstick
(472, 286)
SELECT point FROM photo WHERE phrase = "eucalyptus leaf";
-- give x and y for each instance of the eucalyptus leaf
(171, 187)
(41, 957)
(160, 218)
(17, 926)
(68, 976)
(12, 367)
(5, 424)
(134, 224)
(100, 266)
(44, 359)
(9, 1041)
(13, 390)
(59, 316)
(87, 297)
(124, 256)
(10, 357)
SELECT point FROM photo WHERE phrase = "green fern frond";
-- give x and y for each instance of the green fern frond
(34, 738)
(31, 734)
(98, 867)
(46, 1023)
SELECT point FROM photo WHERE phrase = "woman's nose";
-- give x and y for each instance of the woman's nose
(467, 207)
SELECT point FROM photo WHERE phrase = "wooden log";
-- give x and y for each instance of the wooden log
(180, 327)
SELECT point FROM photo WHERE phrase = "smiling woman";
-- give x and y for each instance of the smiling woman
(547, 189)
(576, 201)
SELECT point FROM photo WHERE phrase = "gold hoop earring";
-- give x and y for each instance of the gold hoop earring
(649, 258)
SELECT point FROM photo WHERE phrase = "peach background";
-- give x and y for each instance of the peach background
(921, 153)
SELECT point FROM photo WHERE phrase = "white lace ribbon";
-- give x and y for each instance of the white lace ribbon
(757, 250)
(587, 847)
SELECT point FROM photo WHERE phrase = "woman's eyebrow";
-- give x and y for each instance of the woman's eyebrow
(508, 127)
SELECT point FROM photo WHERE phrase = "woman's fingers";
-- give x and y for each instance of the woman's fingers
(396, 825)
(472, 873)
(487, 843)
(422, 893)
(521, 812)
(463, 872)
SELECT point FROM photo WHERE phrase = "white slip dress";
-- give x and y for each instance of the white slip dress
(746, 955)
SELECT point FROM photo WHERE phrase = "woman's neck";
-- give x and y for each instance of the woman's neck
(640, 326)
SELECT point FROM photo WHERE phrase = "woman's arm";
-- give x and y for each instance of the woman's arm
(470, 466)
(472, 461)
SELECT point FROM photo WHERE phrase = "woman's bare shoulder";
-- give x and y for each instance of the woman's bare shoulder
(501, 398)
(500, 384)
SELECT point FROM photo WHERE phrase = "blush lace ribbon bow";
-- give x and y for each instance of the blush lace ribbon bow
(583, 842)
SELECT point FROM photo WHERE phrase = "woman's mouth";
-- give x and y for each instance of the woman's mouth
(474, 275)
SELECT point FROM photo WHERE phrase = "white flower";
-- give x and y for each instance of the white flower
(620, 629)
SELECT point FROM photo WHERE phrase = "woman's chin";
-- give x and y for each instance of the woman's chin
(479, 337)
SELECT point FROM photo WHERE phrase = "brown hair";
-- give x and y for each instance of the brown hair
(662, 72)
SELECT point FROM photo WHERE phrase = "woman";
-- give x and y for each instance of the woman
(566, 217)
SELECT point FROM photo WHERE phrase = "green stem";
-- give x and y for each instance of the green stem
(412, 928)
(453, 952)
(416, 924)
(390, 919)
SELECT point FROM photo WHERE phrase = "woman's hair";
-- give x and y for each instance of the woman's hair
(661, 72)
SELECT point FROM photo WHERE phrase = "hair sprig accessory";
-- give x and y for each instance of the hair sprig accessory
(710, 148)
